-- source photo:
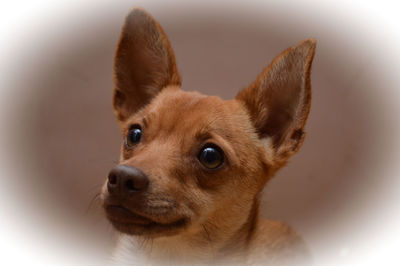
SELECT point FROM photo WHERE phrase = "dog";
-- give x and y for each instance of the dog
(192, 167)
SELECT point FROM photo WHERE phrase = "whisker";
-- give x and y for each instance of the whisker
(95, 188)
(96, 199)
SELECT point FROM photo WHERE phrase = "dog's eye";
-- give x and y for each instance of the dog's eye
(134, 135)
(211, 156)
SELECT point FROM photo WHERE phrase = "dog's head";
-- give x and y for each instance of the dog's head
(189, 160)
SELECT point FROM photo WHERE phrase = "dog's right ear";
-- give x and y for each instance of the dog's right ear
(144, 64)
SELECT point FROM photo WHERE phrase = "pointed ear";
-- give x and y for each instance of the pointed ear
(144, 64)
(279, 100)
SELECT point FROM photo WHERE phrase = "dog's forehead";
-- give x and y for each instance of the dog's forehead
(175, 108)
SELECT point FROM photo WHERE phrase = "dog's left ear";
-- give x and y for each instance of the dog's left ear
(144, 64)
(278, 102)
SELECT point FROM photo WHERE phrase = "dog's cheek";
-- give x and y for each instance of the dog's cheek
(211, 181)
(198, 202)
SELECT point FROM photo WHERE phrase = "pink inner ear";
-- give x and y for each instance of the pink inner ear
(279, 100)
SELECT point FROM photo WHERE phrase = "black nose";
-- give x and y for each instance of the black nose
(125, 180)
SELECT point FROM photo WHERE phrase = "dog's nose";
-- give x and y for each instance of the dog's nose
(125, 180)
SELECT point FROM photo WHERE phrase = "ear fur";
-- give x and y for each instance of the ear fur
(279, 100)
(144, 64)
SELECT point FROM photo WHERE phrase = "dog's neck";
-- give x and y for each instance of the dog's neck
(207, 243)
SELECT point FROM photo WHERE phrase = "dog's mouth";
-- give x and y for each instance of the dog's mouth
(129, 222)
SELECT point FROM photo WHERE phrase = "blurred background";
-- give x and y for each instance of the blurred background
(59, 137)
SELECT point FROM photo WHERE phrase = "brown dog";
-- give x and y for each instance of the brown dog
(192, 166)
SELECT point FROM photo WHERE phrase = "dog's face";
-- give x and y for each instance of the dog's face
(200, 156)
(190, 161)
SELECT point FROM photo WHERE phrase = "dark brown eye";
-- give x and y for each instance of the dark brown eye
(211, 156)
(134, 136)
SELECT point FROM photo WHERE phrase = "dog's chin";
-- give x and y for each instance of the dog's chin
(127, 222)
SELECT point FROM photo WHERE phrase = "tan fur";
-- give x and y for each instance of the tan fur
(216, 210)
